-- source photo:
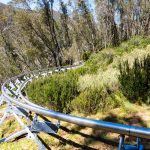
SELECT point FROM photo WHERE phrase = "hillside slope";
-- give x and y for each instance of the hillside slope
(91, 88)
(99, 75)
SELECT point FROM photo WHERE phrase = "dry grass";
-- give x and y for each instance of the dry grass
(75, 137)
(109, 75)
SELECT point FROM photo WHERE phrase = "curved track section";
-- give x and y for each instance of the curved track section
(18, 105)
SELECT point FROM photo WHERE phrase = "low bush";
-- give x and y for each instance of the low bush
(98, 60)
(81, 70)
(86, 55)
(135, 80)
(55, 92)
(135, 42)
(92, 100)
(88, 101)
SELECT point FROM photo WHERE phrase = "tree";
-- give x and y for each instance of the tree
(88, 29)
(64, 19)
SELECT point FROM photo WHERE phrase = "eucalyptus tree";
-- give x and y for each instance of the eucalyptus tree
(64, 20)
(106, 20)
(87, 27)
(40, 29)
(7, 32)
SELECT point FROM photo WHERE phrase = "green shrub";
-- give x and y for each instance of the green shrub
(92, 100)
(135, 80)
(134, 42)
(89, 101)
(86, 55)
(81, 71)
(98, 60)
(55, 92)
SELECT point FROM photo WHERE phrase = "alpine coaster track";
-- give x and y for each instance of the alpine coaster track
(20, 106)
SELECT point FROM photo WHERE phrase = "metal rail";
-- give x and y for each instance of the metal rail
(17, 99)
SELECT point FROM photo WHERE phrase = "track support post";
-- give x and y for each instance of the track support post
(123, 146)
(16, 112)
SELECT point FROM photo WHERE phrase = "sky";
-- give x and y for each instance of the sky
(56, 4)
(4, 1)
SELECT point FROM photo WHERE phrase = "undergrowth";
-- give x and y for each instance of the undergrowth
(135, 42)
(135, 80)
(55, 92)
(93, 87)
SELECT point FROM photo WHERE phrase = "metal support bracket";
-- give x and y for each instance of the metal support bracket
(123, 146)
(31, 130)
(44, 126)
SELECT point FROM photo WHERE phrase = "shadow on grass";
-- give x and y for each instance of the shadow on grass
(44, 143)
(72, 143)
(134, 120)
(76, 130)
(101, 135)
(91, 137)
(67, 141)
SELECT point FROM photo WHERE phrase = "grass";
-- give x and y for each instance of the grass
(107, 74)
(22, 144)
(138, 42)
(71, 136)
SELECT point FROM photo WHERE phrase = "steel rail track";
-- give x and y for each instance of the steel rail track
(18, 100)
